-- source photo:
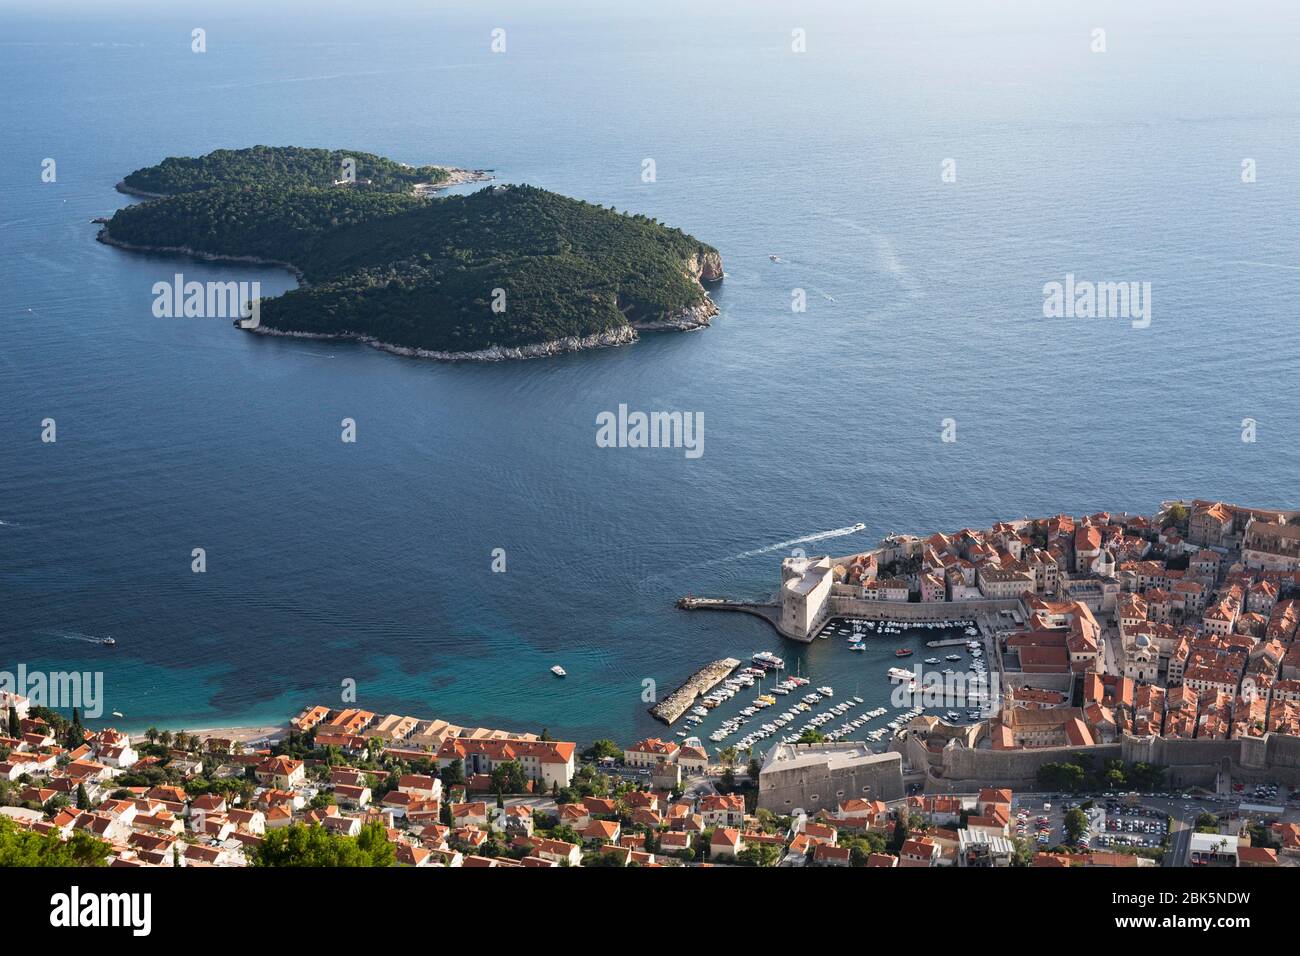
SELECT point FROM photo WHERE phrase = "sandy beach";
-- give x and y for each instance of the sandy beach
(242, 734)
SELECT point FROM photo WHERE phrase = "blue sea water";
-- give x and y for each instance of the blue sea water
(371, 562)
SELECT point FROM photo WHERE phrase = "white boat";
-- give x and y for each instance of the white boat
(118, 713)
(826, 691)
(899, 674)
(558, 671)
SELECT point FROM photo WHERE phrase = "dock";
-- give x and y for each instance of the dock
(696, 686)
(951, 642)
(767, 611)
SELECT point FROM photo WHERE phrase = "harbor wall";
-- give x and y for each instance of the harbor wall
(965, 770)
(696, 686)
(844, 606)
(1187, 762)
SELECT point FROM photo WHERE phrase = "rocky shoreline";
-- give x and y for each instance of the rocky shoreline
(104, 237)
(497, 353)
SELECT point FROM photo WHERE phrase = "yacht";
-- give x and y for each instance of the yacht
(953, 657)
(826, 691)
(898, 675)
(932, 660)
(558, 671)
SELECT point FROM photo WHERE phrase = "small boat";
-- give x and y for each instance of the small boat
(826, 691)
(775, 258)
(932, 660)
(858, 647)
(954, 657)
(558, 671)
(107, 641)
(118, 713)
(903, 652)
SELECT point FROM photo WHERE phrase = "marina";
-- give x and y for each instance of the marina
(774, 701)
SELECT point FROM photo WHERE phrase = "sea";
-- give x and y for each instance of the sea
(892, 189)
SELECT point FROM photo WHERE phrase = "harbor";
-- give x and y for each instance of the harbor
(874, 698)
(671, 708)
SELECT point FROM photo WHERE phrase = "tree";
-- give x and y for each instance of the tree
(1076, 824)
(811, 736)
(603, 748)
(753, 770)
(299, 845)
(454, 773)
(28, 848)
(509, 777)
(83, 798)
(899, 836)
(15, 725)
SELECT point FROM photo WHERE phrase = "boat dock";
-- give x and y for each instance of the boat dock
(951, 642)
(696, 686)
(768, 612)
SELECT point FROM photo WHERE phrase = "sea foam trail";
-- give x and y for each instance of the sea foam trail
(645, 583)
(819, 536)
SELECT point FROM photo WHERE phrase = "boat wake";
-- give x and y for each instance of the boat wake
(649, 582)
(806, 539)
(75, 636)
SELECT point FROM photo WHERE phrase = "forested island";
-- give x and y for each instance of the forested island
(508, 271)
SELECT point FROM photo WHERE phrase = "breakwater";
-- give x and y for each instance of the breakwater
(695, 687)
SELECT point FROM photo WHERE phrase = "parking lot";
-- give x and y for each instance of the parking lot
(1131, 826)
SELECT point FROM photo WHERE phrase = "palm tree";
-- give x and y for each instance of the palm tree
(151, 735)
(728, 756)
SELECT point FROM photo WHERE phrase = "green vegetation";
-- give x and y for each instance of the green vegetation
(281, 167)
(1076, 824)
(417, 272)
(1079, 774)
(1207, 823)
(299, 845)
(19, 847)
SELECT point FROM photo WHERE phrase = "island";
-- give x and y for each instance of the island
(509, 271)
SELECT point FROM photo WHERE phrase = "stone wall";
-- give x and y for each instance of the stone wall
(844, 605)
(784, 789)
(1273, 757)
(967, 770)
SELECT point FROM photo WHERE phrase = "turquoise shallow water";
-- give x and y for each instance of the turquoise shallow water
(371, 562)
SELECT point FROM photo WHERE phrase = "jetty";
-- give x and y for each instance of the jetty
(767, 611)
(950, 642)
(695, 687)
